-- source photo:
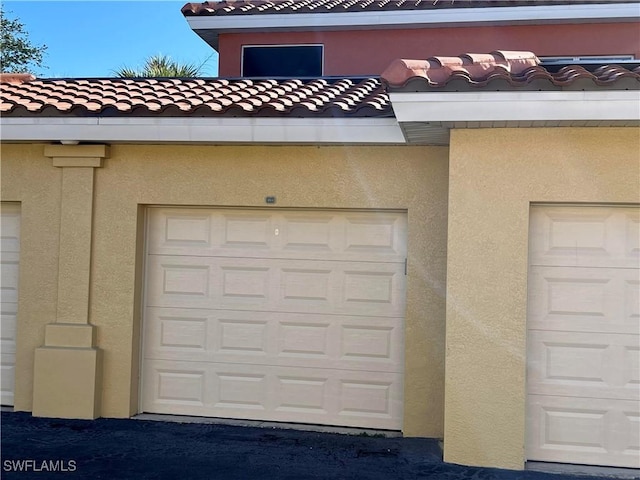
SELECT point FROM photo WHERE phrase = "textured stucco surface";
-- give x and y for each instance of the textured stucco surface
(75, 244)
(495, 174)
(409, 178)
(62, 374)
(26, 176)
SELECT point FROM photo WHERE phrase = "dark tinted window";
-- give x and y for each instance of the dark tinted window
(282, 61)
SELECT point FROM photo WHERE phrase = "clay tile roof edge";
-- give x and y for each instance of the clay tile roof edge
(437, 70)
(264, 7)
(105, 97)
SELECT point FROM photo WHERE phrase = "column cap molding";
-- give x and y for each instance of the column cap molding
(77, 155)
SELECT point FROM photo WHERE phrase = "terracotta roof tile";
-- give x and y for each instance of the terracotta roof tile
(261, 7)
(22, 96)
(186, 96)
(503, 70)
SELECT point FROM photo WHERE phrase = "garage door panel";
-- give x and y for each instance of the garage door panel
(309, 233)
(9, 270)
(307, 284)
(584, 299)
(583, 365)
(286, 315)
(632, 237)
(262, 392)
(284, 234)
(588, 431)
(10, 235)
(631, 301)
(249, 231)
(585, 236)
(8, 325)
(277, 285)
(583, 335)
(7, 377)
(9, 267)
(381, 234)
(314, 341)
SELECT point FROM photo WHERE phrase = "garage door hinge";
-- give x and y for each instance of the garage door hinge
(405, 266)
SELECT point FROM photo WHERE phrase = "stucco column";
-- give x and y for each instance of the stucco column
(67, 370)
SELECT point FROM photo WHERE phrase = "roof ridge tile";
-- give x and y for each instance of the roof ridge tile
(518, 69)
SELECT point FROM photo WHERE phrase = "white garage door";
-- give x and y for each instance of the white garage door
(9, 258)
(583, 336)
(283, 315)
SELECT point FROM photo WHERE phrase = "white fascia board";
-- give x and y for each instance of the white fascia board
(204, 130)
(516, 106)
(422, 18)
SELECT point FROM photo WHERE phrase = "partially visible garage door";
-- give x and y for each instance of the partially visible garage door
(282, 315)
(583, 335)
(9, 258)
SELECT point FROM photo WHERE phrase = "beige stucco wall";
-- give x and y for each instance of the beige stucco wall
(495, 174)
(27, 177)
(411, 178)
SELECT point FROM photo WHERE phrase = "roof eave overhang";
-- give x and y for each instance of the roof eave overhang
(420, 118)
(427, 117)
(268, 131)
(210, 26)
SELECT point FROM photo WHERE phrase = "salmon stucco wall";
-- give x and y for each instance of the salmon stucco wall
(369, 52)
(408, 178)
(495, 175)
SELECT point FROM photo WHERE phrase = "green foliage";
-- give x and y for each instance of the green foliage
(161, 66)
(17, 53)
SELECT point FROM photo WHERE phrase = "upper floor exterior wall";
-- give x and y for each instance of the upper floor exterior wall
(362, 37)
(369, 52)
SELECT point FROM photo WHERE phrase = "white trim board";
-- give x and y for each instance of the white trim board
(204, 130)
(516, 106)
(209, 26)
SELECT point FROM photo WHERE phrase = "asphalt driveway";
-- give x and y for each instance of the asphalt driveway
(137, 449)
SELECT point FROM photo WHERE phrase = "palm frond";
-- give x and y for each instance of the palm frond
(160, 66)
